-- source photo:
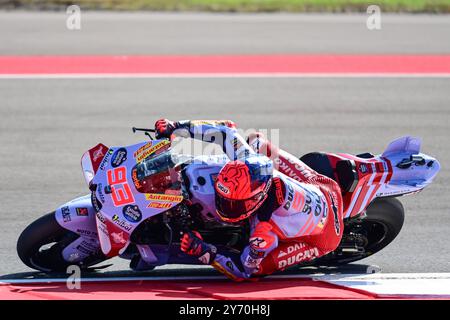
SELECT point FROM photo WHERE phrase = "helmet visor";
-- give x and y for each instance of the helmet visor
(235, 210)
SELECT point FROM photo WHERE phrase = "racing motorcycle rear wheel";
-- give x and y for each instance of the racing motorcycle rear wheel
(41, 244)
(367, 235)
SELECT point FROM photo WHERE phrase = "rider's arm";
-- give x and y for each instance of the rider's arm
(243, 266)
(237, 266)
(221, 132)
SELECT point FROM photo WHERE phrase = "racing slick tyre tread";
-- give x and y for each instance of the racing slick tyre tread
(44, 231)
(383, 222)
(390, 213)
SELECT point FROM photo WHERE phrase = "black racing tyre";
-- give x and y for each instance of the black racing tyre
(386, 213)
(46, 232)
(381, 225)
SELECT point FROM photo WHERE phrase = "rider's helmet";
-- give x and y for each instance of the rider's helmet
(242, 186)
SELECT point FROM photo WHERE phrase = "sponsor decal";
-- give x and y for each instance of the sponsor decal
(363, 168)
(87, 233)
(98, 154)
(236, 144)
(74, 256)
(278, 191)
(103, 229)
(319, 205)
(290, 196)
(121, 223)
(163, 197)
(160, 205)
(226, 123)
(299, 257)
(136, 182)
(100, 217)
(222, 188)
(321, 223)
(83, 250)
(337, 226)
(87, 248)
(202, 122)
(256, 254)
(119, 157)
(173, 192)
(229, 265)
(118, 237)
(148, 149)
(291, 169)
(251, 262)
(405, 191)
(96, 204)
(291, 249)
(100, 192)
(65, 211)
(132, 213)
(325, 212)
(101, 226)
(307, 208)
(309, 205)
(82, 212)
(257, 242)
(255, 143)
(105, 160)
(303, 201)
(91, 245)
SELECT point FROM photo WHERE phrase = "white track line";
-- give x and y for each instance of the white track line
(221, 75)
(319, 276)
(155, 278)
(408, 285)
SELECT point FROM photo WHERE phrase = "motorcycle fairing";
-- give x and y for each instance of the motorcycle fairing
(91, 160)
(382, 175)
(407, 145)
(123, 208)
(201, 175)
(412, 170)
(80, 249)
(78, 216)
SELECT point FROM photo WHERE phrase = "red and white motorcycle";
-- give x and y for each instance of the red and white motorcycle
(134, 213)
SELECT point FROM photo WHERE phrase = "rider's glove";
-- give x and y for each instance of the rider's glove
(164, 128)
(193, 245)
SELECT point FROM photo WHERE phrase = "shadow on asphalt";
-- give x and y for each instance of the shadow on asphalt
(191, 272)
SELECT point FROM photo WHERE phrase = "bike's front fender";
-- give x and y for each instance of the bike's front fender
(78, 216)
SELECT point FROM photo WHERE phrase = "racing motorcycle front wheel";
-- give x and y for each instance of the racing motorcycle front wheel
(41, 244)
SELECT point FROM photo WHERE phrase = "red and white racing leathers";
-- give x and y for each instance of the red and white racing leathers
(301, 220)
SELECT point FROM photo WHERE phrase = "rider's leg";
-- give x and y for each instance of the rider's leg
(309, 247)
(304, 249)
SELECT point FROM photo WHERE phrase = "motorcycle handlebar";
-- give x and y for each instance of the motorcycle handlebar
(145, 130)
(142, 129)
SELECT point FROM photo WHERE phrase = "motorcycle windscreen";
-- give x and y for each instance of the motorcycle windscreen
(90, 161)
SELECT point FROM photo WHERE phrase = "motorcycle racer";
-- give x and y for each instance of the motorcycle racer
(295, 213)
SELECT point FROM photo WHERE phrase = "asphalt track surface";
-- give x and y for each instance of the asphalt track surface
(23, 33)
(46, 124)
